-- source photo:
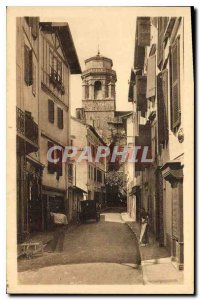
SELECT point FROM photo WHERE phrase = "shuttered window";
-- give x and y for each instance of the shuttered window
(141, 85)
(60, 118)
(28, 72)
(143, 31)
(139, 57)
(175, 85)
(59, 155)
(34, 80)
(162, 107)
(162, 24)
(51, 111)
(51, 165)
(151, 76)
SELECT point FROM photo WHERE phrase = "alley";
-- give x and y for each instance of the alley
(93, 253)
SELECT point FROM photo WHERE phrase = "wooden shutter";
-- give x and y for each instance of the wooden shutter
(139, 56)
(162, 24)
(60, 117)
(51, 111)
(162, 107)
(141, 84)
(51, 165)
(175, 84)
(143, 31)
(34, 80)
(59, 163)
(165, 103)
(28, 77)
(151, 76)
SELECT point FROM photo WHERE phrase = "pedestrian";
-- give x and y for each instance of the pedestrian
(60, 225)
(144, 233)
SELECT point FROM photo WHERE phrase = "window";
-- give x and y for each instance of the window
(28, 66)
(175, 85)
(97, 90)
(56, 74)
(60, 118)
(51, 111)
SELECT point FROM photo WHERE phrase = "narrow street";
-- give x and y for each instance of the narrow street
(94, 253)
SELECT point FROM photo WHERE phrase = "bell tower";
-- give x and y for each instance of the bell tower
(98, 99)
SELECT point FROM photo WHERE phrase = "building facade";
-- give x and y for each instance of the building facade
(156, 91)
(58, 60)
(29, 168)
(45, 59)
(89, 175)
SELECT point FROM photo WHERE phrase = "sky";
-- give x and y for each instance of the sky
(113, 29)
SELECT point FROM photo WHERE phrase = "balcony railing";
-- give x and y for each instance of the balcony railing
(26, 126)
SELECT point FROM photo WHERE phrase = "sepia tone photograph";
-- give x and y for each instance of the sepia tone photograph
(100, 130)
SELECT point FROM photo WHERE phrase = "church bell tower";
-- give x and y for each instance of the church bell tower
(98, 99)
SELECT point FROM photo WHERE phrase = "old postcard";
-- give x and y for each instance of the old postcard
(100, 127)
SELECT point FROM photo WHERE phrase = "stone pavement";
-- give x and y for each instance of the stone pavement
(108, 241)
(156, 262)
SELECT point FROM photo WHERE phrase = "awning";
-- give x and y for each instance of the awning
(77, 189)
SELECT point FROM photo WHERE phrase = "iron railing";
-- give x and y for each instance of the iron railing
(26, 126)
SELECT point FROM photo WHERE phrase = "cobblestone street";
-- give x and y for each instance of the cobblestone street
(103, 252)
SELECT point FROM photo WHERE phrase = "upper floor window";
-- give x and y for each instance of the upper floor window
(60, 118)
(97, 90)
(56, 75)
(28, 65)
(175, 85)
(51, 111)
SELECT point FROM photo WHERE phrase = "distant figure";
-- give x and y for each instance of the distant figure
(60, 225)
(144, 234)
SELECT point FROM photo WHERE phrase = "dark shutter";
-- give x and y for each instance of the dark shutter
(28, 77)
(59, 163)
(139, 56)
(162, 107)
(141, 85)
(60, 117)
(51, 111)
(143, 31)
(34, 80)
(165, 102)
(175, 84)
(51, 165)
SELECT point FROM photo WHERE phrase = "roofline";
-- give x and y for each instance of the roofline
(63, 31)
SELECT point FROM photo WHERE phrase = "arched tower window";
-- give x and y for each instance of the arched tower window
(97, 90)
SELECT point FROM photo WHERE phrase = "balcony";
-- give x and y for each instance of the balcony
(56, 80)
(27, 130)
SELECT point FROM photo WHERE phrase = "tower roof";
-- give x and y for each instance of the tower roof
(99, 57)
